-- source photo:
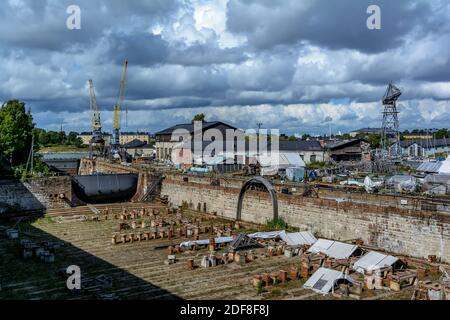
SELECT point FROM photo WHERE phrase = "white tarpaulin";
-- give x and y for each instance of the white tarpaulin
(372, 261)
(324, 280)
(333, 249)
(295, 238)
(402, 183)
(445, 167)
(272, 162)
(298, 238)
(266, 235)
(206, 241)
(370, 185)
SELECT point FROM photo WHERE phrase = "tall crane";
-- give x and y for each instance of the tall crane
(95, 114)
(118, 109)
(97, 142)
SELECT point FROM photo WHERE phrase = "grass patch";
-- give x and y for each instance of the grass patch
(276, 224)
(63, 148)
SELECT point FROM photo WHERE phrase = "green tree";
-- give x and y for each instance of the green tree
(199, 117)
(16, 126)
(374, 140)
(292, 138)
(442, 133)
(306, 136)
(73, 140)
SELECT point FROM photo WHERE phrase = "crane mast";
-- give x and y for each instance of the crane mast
(119, 106)
(97, 142)
(95, 118)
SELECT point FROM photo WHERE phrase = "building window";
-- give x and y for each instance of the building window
(313, 158)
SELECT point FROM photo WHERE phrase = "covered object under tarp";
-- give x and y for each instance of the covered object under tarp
(292, 239)
(206, 241)
(445, 167)
(437, 184)
(272, 163)
(402, 183)
(325, 280)
(372, 261)
(334, 249)
(298, 238)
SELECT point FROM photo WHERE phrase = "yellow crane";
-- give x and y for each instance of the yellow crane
(118, 110)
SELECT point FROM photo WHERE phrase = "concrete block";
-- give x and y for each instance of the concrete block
(205, 262)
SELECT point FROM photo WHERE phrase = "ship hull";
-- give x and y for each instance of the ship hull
(106, 188)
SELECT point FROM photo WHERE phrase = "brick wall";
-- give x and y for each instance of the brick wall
(36, 194)
(398, 230)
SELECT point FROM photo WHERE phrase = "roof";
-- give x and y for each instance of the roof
(437, 179)
(323, 280)
(309, 145)
(333, 249)
(372, 261)
(63, 156)
(135, 143)
(426, 143)
(345, 143)
(298, 238)
(190, 127)
(367, 130)
(134, 133)
(432, 167)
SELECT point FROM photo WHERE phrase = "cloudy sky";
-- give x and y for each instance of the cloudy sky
(288, 64)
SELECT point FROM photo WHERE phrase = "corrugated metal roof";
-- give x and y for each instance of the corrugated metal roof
(373, 260)
(334, 249)
(432, 167)
(323, 280)
(311, 145)
(298, 238)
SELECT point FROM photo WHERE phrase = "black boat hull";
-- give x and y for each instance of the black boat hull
(106, 188)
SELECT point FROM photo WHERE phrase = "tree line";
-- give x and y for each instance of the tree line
(17, 131)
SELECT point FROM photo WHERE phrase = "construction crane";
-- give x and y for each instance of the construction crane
(115, 147)
(97, 142)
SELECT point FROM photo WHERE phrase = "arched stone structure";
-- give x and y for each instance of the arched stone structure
(258, 181)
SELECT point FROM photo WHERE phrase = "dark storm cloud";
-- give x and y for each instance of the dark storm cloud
(41, 24)
(284, 63)
(332, 24)
(141, 48)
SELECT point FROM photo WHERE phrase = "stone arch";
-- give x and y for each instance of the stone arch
(258, 181)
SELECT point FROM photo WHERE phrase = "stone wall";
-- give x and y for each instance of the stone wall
(405, 231)
(88, 167)
(36, 194)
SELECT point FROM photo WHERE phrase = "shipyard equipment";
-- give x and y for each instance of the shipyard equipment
(390, 126)
(97, 143)
(115, 145)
